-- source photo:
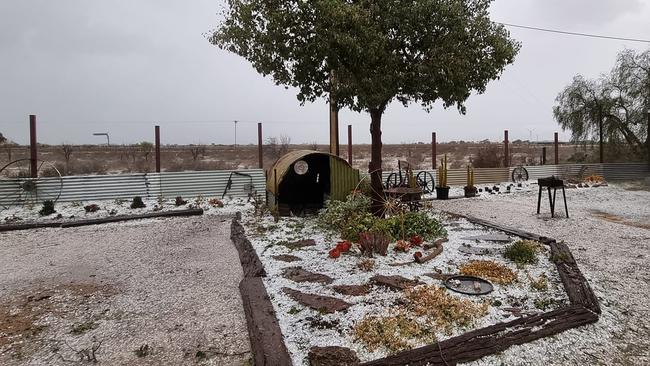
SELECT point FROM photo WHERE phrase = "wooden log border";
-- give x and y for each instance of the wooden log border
(267, 342)
(103, 220)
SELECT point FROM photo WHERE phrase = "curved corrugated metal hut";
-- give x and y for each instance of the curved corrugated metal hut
(301, 181)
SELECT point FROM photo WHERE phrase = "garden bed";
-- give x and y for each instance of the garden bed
(391, 310)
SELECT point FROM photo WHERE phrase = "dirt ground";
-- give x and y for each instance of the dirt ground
(151, 292)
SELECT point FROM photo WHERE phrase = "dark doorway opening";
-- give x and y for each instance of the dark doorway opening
(305, 193)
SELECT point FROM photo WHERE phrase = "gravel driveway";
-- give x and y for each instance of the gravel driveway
(150, 292)
(609, 234)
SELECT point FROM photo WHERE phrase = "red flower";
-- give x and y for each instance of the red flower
(335, 253)
(416, 240)
(344, 246)
(402, 246)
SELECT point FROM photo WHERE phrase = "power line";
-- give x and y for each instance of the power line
(574, 33)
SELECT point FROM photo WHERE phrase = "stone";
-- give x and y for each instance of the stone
(301, 244)
(298, 274)
(395, 282)
(286, 258)
(489, 237)
(352, 290)
(321, 303)
(332, 356)
(468, 249)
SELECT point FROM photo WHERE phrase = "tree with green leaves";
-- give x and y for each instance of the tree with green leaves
(611, 108)
(364, 54)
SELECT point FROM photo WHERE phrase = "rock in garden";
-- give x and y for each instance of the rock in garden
(332, 356)
(324, 304)
(395, 282)
(298, 274)
(286, 258)
(352, 290)
(301, 244)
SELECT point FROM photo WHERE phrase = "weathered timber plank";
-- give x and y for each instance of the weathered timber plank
(267, 343)
(575, 284)
(482, 342)
(250, 262)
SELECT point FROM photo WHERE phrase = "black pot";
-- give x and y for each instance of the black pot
(442, 193)
(470, 191)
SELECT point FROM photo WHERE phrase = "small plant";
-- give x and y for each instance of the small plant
(366, 265)
(522, 252)
(294, 310)
(416, 240)
(489, 270)
(442, 309)
(470, 189)
(539, 284)
(442, 173)
(413, 224)
(47, 209)
(143, 351)
(216, 202)
(394, 333)
(348, 218)
(334, 253)
(92, 208)
(372, 242)
(137, 202)
(179, 201)
(402, 246)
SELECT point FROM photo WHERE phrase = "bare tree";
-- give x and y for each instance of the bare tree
(276, 147)
(146, 148)
(313, 146)
(2, 138)
(285, 141)
(197, 151)
(67, 152)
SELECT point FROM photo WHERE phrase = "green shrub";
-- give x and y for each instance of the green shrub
(348, 218)
(137, 202)
(416, 223)
(47, 209)
(522, 252)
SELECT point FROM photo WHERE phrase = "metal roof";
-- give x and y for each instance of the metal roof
(281, 167)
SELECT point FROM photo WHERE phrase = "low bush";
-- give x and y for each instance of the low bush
(179, 201)
(393, 333)
(522, 252)
(348, 218)
(416, 223)
(91, 208)
(47, 209)
(489, 270)
(137, 202)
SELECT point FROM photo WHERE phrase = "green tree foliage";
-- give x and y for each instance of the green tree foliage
(618, 101)
(366, 53)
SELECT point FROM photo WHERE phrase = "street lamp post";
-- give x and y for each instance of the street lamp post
(108, 139)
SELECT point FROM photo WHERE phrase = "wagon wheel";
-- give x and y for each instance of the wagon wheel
(394, 180)
(519, 174)
(426, 181)
(17, 187)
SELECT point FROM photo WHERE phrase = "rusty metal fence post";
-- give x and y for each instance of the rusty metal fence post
(434, 152)
(33, 146)
(557, 149)
(350, 144)
(260, 151)
(506, 152)
(157, 129)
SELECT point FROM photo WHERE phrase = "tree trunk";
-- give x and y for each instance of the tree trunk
(375, 163)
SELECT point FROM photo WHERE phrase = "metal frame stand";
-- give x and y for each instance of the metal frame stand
(553, 183)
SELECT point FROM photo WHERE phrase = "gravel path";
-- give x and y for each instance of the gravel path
(151, 292)
(609, 234)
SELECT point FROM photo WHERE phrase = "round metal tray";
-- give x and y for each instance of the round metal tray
(466, 285)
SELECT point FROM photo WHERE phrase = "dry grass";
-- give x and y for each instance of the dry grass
(619, 220)
(394, 333)
(489, 270)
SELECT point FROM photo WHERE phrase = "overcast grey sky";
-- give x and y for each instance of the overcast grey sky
(122, 66)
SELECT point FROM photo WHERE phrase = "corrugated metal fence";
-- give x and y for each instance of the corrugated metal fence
(149, 185)
(213, 183)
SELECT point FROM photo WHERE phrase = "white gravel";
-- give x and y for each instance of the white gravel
(171, 284)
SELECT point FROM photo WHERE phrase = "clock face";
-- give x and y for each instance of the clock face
(301, 167)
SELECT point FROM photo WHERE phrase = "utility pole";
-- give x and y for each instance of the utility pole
(235, 134)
